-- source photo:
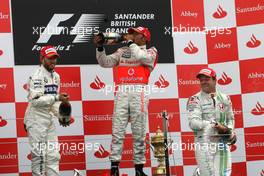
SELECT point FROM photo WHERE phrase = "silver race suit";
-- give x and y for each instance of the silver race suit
(42, 95)
(211, 150)
(133, 64)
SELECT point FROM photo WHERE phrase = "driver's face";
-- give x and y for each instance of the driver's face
(50, 63)
(139, 38)
(207, 83)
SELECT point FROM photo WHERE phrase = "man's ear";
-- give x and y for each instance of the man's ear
(144, 39)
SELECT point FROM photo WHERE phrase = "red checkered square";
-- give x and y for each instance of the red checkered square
(8, 155)
(187, 14)
(70, 82)
(97, 115)
(156, 107)
(5, 25)
(222, 47)
(7, 85)
(72, 150)
(249, 12)
(102, 172)
(251, 75)
(239, 169)
(254, 140)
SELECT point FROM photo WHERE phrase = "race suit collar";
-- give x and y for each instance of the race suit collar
(142, 47)
(208, 94)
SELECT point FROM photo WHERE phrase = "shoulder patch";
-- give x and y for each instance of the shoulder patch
(192, 103)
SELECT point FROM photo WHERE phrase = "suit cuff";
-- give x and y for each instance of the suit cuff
(129, 42)
(100, 49)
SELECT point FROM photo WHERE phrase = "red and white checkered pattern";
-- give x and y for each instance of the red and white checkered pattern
(236, 55)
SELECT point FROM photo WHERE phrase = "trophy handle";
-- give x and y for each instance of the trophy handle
(196, 172)
(76, 173)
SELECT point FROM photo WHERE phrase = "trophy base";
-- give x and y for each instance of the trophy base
(160, 172)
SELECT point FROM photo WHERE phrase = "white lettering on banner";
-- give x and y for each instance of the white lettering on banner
(118, 30)
(123, 23)
(69, 152)
(188, 82)
(127, 152)
(250, 9)
(3, 86)
(189, 14)
(256, 75)
(98, 117)
(222, 45)
(58, 47)
(150, 16)
(128, 62)
(70, 84)
(237, 111)
(131, 79)
(3, 16)
(8, 156)
(256, 144)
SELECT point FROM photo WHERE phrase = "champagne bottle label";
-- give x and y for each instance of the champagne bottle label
(111, 38)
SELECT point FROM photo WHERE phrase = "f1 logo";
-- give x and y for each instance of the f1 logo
(86, 26)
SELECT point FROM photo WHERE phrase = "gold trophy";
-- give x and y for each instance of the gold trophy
(157, 141)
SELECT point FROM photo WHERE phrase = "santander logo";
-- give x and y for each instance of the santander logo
(258, 110)
(2, 122)
(1, 52)
(191, 48)
(220, 13)
(26, 87)
(101, 153)
(97, 84)
(3, 86)
(171, 151)
(29, 157)
(253, 42)
(225, 79)
(72, 120)
(162, 82)
(233, 148)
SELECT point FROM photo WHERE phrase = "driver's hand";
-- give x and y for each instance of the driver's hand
(97, 40)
